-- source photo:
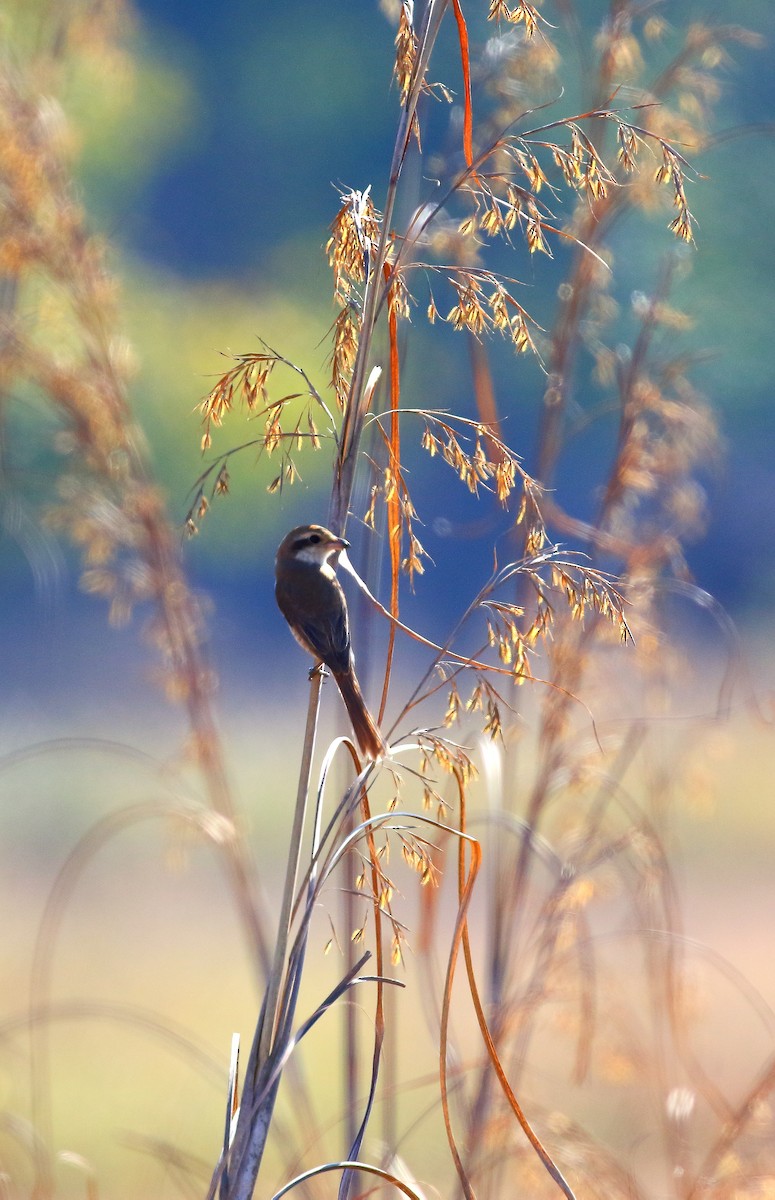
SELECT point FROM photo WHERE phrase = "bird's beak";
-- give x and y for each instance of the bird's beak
(341, 543)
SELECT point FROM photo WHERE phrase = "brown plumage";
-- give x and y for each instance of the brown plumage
(311, 599)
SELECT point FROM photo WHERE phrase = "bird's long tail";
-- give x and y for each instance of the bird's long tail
(367, 734)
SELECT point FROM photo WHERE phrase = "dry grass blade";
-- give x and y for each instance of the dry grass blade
(349, 1167)
(465, 58)
(466, 884)
(379, 1012)
(465, 896)
(393, 502)
(237, 1174)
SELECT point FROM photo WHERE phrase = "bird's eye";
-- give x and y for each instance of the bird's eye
(313, 539)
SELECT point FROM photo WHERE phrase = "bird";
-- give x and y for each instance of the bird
(311, 599)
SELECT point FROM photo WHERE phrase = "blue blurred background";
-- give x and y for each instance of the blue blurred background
(278, 111)
(213, 165)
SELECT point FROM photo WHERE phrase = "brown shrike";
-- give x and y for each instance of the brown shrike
(311, 599)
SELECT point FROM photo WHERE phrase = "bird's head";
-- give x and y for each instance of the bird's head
(311, 544)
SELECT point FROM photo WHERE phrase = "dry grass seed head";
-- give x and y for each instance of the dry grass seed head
(354, 235)
(406, 49)
(521, 13)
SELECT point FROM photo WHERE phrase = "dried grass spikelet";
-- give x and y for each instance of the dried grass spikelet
(246, 382)
(417, 854)
(351, 251)
(406, 49)
(353, 241)
(670, 172)
(288, 423)
(522, 13)
(496, 310)
(347, 327)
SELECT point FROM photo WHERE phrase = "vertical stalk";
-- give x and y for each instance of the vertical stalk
(258, 1099)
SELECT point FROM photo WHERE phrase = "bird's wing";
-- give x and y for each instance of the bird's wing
(318, 617)
(330, 640)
